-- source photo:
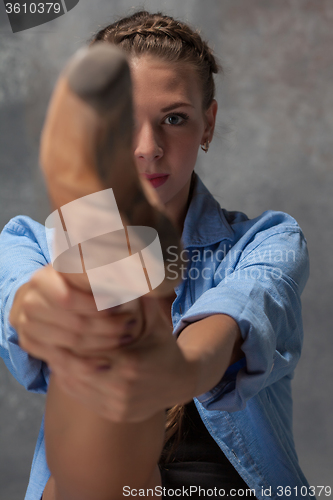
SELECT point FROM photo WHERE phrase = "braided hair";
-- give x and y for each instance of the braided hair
(168, 39)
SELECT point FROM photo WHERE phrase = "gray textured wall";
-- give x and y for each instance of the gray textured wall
(273, 149)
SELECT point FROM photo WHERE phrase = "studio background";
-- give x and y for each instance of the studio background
(273, 149)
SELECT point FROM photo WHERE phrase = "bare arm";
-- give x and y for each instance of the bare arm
(93, 458)
(213, 344)
(91, 455)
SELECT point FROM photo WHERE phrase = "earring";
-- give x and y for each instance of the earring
(205, 146)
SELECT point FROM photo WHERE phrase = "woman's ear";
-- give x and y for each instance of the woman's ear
(210, 119)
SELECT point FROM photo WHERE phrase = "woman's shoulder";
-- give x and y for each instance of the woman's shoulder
(268, 219)
(274, 231)
(23, 235)
(207, 222)
(22, 225)
(269, 224)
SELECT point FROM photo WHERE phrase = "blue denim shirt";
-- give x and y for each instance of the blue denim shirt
(252, 270)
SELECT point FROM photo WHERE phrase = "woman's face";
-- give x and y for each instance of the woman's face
(170, 126)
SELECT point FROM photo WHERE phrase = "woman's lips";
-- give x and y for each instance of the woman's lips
(156, 180)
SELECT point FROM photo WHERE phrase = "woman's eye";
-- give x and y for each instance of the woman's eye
(179, 119)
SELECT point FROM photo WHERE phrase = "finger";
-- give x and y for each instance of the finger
(65, 363)
(57, 291)
(38, 350)
(42, 321)
(52, 336)
(122, 327)
(37, 307)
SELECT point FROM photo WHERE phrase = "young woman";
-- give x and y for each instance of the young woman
(224, 377)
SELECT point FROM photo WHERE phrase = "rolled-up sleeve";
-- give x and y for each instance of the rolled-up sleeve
(259, 285)
(23, 250)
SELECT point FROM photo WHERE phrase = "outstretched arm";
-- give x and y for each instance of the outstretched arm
(92, 458)
(104, 430)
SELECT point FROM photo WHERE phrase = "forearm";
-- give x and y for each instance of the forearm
(92, 458)
(211, 345)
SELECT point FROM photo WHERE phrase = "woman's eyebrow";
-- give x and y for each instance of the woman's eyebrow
(175, 105)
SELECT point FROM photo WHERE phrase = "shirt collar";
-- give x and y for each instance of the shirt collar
(205, 222)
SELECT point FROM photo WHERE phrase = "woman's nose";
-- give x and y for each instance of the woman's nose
(147, 146)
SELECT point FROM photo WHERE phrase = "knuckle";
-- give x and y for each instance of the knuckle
(29, 304)
(35, 279)
(25, 343)
(21, 323)
(13, 319)
(64, 299)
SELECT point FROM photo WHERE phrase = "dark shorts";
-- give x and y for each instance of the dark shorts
(201, 480)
